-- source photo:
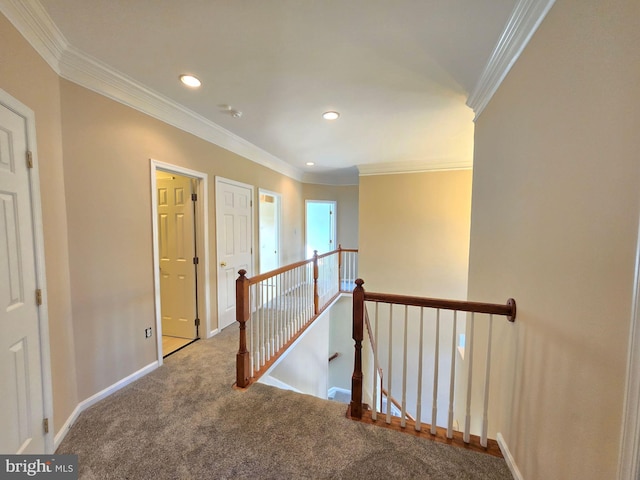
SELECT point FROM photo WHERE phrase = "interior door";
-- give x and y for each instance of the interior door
(21, 395)
(176, 242)
(234, 222)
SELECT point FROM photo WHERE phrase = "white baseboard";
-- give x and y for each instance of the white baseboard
(213, 332)
(333, 390)
(511, 463)
(82, 406)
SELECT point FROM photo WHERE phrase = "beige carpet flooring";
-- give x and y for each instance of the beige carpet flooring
(184, 421)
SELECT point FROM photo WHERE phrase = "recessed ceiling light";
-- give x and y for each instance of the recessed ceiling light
(190, 81)
(330, 115)
(310, 164)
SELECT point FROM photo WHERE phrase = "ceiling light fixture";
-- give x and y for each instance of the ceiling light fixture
(190, 81)
(309, 164)
(330, 115)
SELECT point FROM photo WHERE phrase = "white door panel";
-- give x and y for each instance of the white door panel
(176, 239)
(21, 395)
(234, 214)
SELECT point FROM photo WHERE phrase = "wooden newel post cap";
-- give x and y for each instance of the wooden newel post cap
(512, 304)
(242, 272)
(359, 282)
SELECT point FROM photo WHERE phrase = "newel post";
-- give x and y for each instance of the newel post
(316, 296)
(358, 332)
(243, 365)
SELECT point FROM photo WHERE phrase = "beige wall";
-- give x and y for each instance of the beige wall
(414, 233)
(107, 150)
(25, 76)
(346, 198)
(554, 224)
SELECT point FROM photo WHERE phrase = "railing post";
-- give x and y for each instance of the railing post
(339, 267)
(358, 333)
(316, 296)
(243, 359)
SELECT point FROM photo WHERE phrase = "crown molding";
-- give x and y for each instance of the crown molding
(527, 15)
(343, 177)
(412, 167)
(33, 22)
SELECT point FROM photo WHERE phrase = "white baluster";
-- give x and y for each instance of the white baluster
(403, 413)
(487, 373)
(374, 413)
(452, 380)
(389, 364)
(418, 425)
(469, 347)
(436, 364)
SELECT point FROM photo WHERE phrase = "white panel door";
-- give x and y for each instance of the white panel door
(176, 242)
(21, 396)
(234, 221)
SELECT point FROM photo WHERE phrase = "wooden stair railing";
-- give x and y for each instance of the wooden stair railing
(294, 296)
(360, 320)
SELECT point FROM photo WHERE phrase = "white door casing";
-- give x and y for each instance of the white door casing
(269, 230)
(320, 219)
(176, 244)
(202, 241)
(234, 227)
(25, 396)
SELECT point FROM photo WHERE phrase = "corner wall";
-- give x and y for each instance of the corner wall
(107, 151)
(28, 78)
(414, 233)
(554, 224)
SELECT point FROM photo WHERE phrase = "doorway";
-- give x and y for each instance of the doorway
(26, 396)
(320, 226)
(234, 227)
(180, 255)
(269, 235)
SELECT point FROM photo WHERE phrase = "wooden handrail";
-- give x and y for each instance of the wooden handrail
(508, 310)
(243, 310)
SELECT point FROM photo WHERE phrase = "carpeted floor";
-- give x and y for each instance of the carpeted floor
(184, 421)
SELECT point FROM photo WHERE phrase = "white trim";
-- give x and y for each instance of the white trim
(92, 400)
(628, 461)
(39, 259)
(331, 393)
(508, 458)
(334, 223)
(203, 214)
(37, 27)
(409, 167)
(219, 180)
(527, 15)
(278, 196)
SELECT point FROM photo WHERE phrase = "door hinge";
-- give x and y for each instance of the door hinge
(194, 197)
(29, 159)
(197, 322)
(38, 297)
(251, 203)
(196, 260)
(45, 425)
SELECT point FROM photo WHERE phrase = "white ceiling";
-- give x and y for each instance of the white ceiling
(398, 71)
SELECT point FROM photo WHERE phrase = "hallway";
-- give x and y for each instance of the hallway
(184, 420)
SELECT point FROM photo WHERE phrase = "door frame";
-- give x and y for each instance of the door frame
(38, 236)
(202, 242)
(334, 222)
(219, 180)
(629, 457)
(262, 191)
